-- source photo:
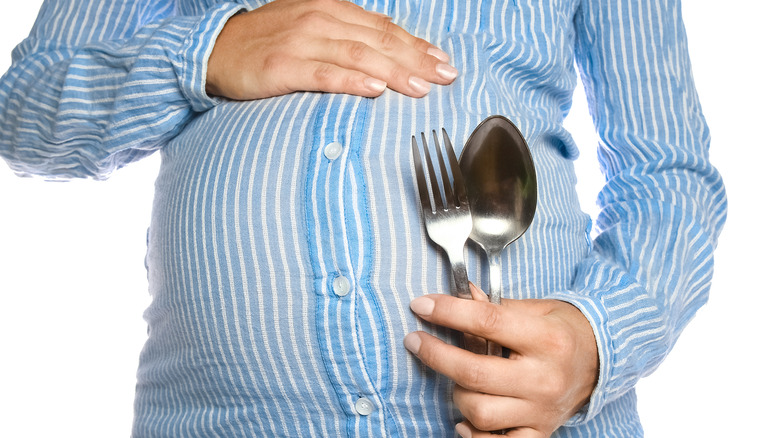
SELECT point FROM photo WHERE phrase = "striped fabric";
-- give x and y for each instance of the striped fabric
(281, 275)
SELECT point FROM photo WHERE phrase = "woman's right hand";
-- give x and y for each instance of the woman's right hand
(331, 46)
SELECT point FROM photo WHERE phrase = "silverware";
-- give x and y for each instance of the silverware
(448, 219)
(501, 183)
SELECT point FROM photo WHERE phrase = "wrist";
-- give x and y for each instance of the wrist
(218, 60)
(593, 312)
(198, 50)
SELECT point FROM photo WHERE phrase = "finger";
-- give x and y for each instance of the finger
(478, 294)
(487, 412)
(421, 58)
(509, 326)
(488, 374)
(357, 56)
(352, 13)
(466, 430)
(422, 63)
(318, 76)
(472, 343)
(347, 45)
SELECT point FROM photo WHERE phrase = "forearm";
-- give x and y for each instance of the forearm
(664, 203)
(71, 107)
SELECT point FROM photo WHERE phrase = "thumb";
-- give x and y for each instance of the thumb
(477, 294)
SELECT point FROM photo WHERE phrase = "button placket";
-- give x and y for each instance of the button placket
(340, 284)
(333, 189)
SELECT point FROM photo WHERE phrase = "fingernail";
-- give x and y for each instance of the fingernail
(419, 85)
(463, 430)
(446, 71)
(422, 306)
(412, 342)
(438, 53)
(375, 85)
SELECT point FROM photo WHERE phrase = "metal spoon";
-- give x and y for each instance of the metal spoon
(501, 186)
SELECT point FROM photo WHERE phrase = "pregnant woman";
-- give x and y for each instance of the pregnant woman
(294, 290)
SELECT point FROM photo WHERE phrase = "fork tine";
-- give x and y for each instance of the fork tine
(432, 176)
(422, 184)
(448, 196)
(457, 176)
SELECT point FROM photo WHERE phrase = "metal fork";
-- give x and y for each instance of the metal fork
(448, 221)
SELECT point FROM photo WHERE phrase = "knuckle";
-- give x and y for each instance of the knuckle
(323, 75)
(383, 24)
(421, 45)
(482, 417)
(398, 74)
(559, 343)
(427, 62)
(313, 19)
(275, 62)
(348, 84)
(432, 354)
(474, 376)
(356, 51)
(387, 41)
(490, 320)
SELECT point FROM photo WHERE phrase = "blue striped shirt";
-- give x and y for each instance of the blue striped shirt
(281, 275)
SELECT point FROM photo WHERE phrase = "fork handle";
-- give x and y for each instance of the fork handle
(471, 343)
(461, 279)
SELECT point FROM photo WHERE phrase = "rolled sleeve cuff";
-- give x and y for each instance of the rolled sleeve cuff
(196, 51)
(631, 333)
(596, 314)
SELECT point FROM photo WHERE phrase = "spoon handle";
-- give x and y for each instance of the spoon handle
(494, 262)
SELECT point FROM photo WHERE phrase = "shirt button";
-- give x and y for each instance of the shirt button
(341, 286)
(363, 406)
(333, 150)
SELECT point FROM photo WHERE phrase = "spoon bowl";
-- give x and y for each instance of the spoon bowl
(501, 187)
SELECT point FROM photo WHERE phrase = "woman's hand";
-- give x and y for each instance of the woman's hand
(550, 373)
(321, 45)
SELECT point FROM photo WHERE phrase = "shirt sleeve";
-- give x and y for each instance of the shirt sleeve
(663, 204)
(98, 84)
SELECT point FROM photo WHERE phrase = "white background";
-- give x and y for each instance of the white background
(73, 284)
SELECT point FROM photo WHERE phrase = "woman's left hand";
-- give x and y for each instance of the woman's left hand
(550, 373)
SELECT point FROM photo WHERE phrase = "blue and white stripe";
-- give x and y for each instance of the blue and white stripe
(253, 222)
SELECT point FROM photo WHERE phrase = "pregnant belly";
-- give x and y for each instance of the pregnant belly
(272, 258)
(233, 308)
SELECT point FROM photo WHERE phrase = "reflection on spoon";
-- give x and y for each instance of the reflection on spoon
(495, 227)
